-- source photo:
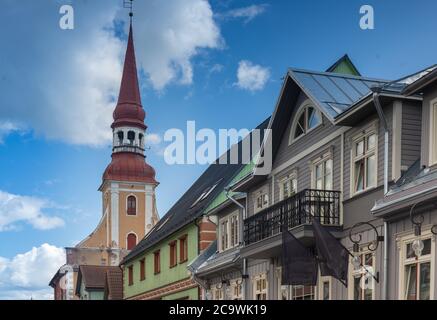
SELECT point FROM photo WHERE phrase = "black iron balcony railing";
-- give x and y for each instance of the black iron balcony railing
(294, 211)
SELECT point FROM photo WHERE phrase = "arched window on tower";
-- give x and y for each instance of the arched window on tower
(131, 137)
(120, 136)
(131, 205)
(131, 241)
(141, 137)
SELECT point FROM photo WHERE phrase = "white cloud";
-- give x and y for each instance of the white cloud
(251, 77)
(62, 84)
(153, 138)
(169, 34)
(27, 275)
(6, 128)
(247, 13)
(15, 209)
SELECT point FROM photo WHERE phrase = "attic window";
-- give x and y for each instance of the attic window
(307, 119)
(204, 194)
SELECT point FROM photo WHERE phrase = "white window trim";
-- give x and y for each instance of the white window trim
(289, 177)
(307, 103)
(401, 246)
(325, 157)
(363, 251)
(228, 220)
(373, 129)
(266, 291)
(233, 283)
(321, 281)
(136, 205)
(261, 192)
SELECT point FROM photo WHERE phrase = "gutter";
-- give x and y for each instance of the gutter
(242, 218)
(376, 92)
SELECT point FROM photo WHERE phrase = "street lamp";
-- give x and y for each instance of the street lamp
(373, 246)
(417, 221)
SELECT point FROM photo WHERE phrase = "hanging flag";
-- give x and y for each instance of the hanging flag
(333, 257)
(299, 265)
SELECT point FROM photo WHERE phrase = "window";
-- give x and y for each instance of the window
(131, 205)
(131, 137)
(261, 200)
(236, 289)
(416, 272)
(142, 269)
(229, 232)
(157, 261)
(183, 249)
(322, 174)
(173, 254)
(324, 288)
(287, 187)
(130, 275)
(303, 293)
(364, 162)
(234, 231)
(260, 287)
(362, 277)
(131, 241)
(217, 294)
(283, 290)
(120, 136)
(307, 119)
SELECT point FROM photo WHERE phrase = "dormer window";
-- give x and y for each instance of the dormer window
(308, 118)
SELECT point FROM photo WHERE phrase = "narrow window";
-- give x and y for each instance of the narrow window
(323, 175)
(142, 269)
(131, 137)
(120, 136)
(157, 261)
(183, 248)
(287, 187)
(131, 206)
(433, 135)
(224, 235)
(365, 163)
(173, 254)
(363, 285)
(131, 241)
(260, 289)
(130, 275)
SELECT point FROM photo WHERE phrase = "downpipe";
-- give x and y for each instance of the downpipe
(377, 103)
(242, 218)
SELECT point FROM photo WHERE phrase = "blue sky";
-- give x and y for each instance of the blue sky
(57, 91)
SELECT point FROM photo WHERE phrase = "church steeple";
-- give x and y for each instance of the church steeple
(129, 110)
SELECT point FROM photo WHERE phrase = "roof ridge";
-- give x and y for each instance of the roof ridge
(338, 75)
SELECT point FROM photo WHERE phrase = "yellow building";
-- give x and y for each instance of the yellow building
(128, 190)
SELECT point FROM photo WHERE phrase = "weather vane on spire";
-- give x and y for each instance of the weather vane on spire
(128, 4)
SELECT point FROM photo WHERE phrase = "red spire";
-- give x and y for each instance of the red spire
(129, 111)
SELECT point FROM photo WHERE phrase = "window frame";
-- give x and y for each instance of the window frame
(157, 262)
(322, 160)
(287, 180)
(143, 269)
(402, 242)
(322, 280)
(234, 285)
(183, 248)
(363, 136)
(173, 254)
(227, 238)
(130, 275)
(263, 291)
(352, 273)
(262, 194)
(303, 109)
(128, 213)
(127, 240)
(293, 294)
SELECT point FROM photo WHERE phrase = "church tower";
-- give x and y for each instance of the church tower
(128, 191)
(128, 186)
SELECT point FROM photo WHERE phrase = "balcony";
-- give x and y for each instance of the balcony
(297, 210)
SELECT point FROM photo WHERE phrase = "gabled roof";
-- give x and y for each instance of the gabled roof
(344, 65)
(114, 284)
(334, 93)
(93, 277)
(187, 209)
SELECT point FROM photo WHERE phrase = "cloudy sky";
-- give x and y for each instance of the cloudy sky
(218, 62)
